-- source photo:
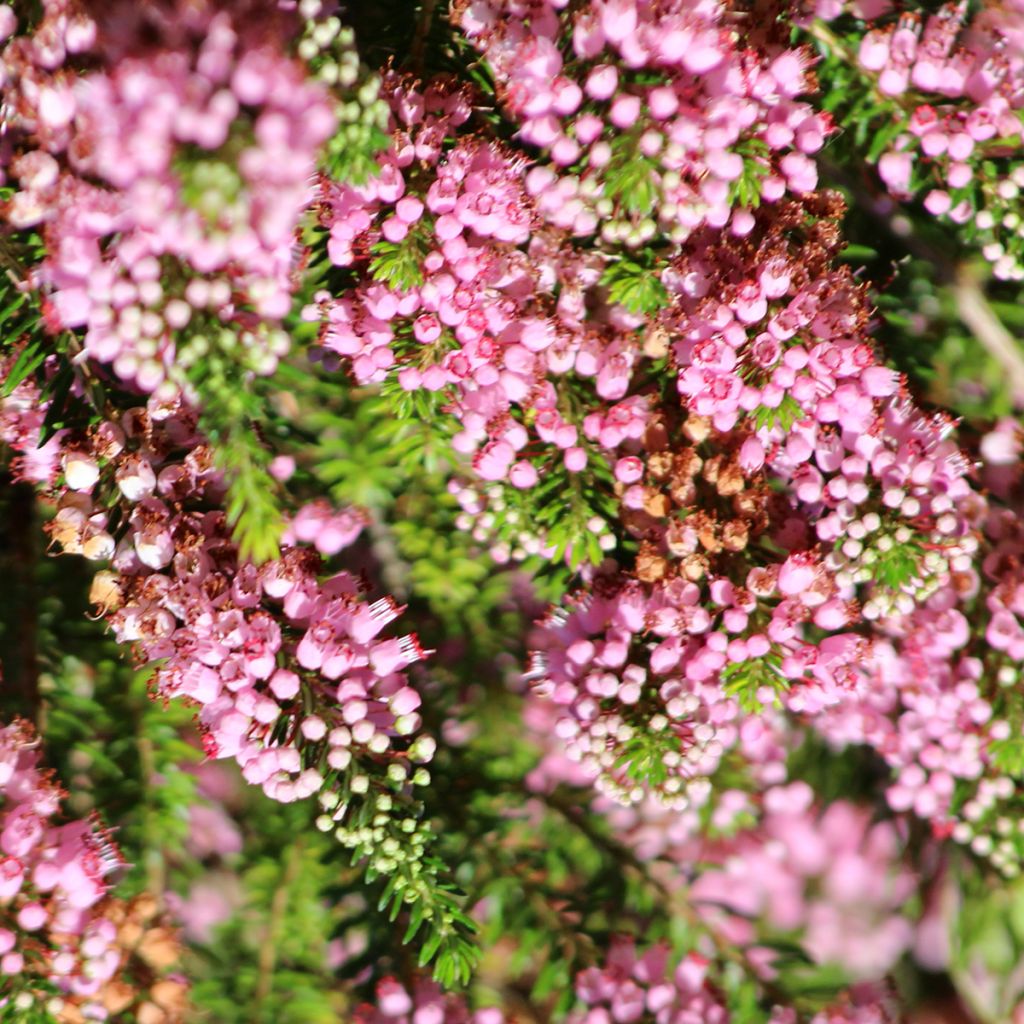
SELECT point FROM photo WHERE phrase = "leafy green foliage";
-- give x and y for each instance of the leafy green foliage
(211, 185)
(988, 945)
(138, 776)
(379, 822)
(554, 885)
(749, 681)
(231, 415)
(400, 264)
(18, 323)
(745, 191)
(436, 911)
(252, 512)
(635, 285)
(810, 986)
(1008, 756)
(783, 415)
(643, 757)
(629, 179)
(855, 773)
(122, 755)
(355, 163)
(26, 1003)
(24, 336)
(269, 962)
(444, 566)
(565, 507)
(898, 565)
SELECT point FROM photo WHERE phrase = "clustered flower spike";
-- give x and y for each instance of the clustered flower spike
(633, 985)
(422, 1002)
(955, 86)
(829, 875)
(54, 878)
(252, 648)
(195, 156)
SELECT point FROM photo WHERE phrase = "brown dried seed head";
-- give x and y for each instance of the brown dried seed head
(145, 906)
(105, 592)
(681, 538)
(747, 503)
(67, 535)
(656, 436)
(735, 535)
(687, 463)
(160, 948)
(129, 934)
(171, 995)
(684, 492)
(707, 532)
(117, 996)
(150, 1013)
(650, 566)
(694, 567)
(730, 479)
(712, 468)
(656, 504)
(697, 428)
(656, 342)
(659, 465)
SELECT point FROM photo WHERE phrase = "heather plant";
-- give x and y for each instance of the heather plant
(510, 510)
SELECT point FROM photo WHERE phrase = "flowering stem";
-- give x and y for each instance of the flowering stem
(156, 868)
(679, 899)
(267, 957)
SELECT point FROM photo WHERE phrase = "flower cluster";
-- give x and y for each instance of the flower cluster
(631, 985)
(598, 268)
(168, 183)
(957, 91)
(54, 878)
(658, 120)
(538, 351)
(452, 306)
(277, 661)
(637, 676)
(829, 876)
(421, 1002)
(145, 982)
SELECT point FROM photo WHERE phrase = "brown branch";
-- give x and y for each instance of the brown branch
(678, 900)
(974, 310)
(19, 558)
(417, 52)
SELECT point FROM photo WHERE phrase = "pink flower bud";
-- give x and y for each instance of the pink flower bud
(81, 471)
(32, 917)
(751, 455)
(937, 202)
(602, 82)
(523, 475)
(313, 728)
(575, 460)
(284, 684)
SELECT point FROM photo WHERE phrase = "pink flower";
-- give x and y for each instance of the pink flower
(797, 574)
